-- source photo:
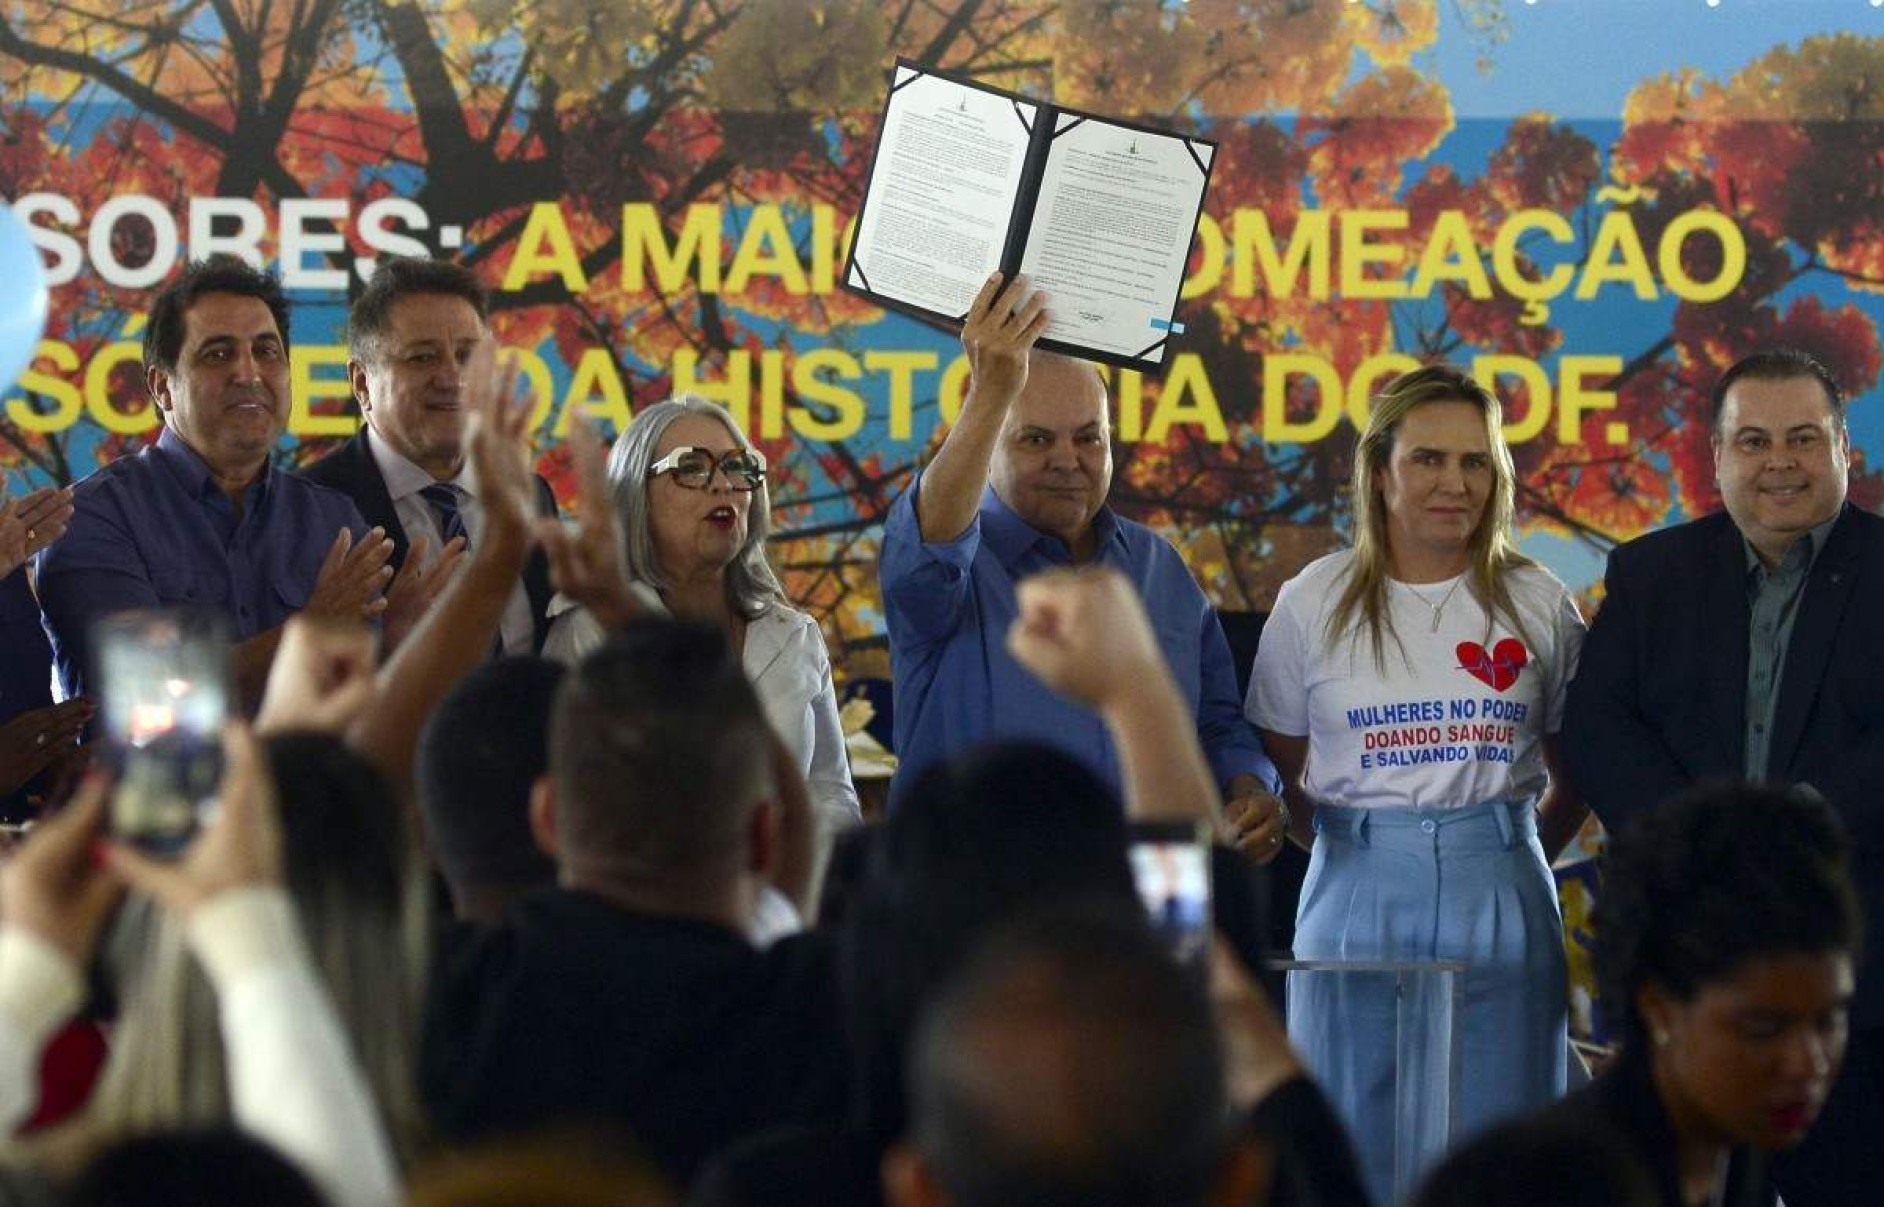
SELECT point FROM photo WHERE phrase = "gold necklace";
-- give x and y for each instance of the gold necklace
(1437, 609)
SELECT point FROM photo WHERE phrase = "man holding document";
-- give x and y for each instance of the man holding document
(1019, 486)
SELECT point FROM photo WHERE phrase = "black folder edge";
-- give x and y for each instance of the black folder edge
(953, 322)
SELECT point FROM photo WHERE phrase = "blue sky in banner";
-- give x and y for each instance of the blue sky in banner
(1580, 58)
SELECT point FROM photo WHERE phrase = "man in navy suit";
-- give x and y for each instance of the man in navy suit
(411, 337)
(1750, 645)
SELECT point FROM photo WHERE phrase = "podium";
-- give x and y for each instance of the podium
(1421, 1000)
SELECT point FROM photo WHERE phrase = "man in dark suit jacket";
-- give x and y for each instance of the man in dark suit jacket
(412, 334)
(1750, 645)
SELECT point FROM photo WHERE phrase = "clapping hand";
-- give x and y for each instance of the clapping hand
(419, 581)
(586, 565)
(30, 523)
(35, 740)
(497, 437)
(353, 577)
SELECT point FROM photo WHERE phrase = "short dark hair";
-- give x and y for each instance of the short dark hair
(1128, 1106)
(1776, 364)
(1000, 830)
(399, 277)
(658, 750)
(479, 755)
(163, 335)
(219, 1165)
(1729, 873)
(1542, 1161)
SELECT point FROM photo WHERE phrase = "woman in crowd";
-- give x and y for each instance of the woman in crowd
(269, 984)
(1409, 690)
(690, 491)
(1726, 934)
(357, 906)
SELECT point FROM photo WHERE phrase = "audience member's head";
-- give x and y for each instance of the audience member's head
(346, 854)
(480, 754)
(220, 1165)
(1070, 1062)
(661, 773)
(998, 831)
(1726, 932)
(1540, 1162)
(558, 1169)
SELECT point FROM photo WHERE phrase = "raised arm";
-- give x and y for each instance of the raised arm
(1084, 633)
(1003, 323)
(457, 632)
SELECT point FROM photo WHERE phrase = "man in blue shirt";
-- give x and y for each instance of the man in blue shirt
(1019, 486)
(201, 517)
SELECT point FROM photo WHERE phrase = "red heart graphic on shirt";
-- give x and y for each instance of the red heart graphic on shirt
(1497, 669)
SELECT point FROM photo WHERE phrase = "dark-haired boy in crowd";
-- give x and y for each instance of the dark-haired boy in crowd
(630, 993)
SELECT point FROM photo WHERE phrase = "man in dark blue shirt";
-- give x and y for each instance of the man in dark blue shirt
(201, 517)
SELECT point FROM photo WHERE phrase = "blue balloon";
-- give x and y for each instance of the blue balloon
(23, 298)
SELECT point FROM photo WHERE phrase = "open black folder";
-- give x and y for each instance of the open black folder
(968, 179)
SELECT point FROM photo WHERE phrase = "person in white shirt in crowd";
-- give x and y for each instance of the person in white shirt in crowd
(275, 1058)
(1410, 690)
(690, 493)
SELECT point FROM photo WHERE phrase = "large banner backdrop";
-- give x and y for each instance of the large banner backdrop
(1595, 204)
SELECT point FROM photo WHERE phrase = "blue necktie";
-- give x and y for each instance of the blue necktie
(444, 500)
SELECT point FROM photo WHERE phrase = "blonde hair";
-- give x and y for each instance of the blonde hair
(359, 895)
(1363, 602)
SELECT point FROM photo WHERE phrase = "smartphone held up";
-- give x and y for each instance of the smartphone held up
(164, 687)
(1171, 864)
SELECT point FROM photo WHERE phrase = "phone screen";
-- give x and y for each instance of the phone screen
(1171, 864)
(164, 687)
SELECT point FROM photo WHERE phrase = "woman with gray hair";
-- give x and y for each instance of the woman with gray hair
(690, 492)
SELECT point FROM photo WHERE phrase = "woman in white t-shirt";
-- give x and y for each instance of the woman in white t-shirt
(1410, 690)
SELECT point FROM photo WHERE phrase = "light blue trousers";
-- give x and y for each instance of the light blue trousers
(1468, 884)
